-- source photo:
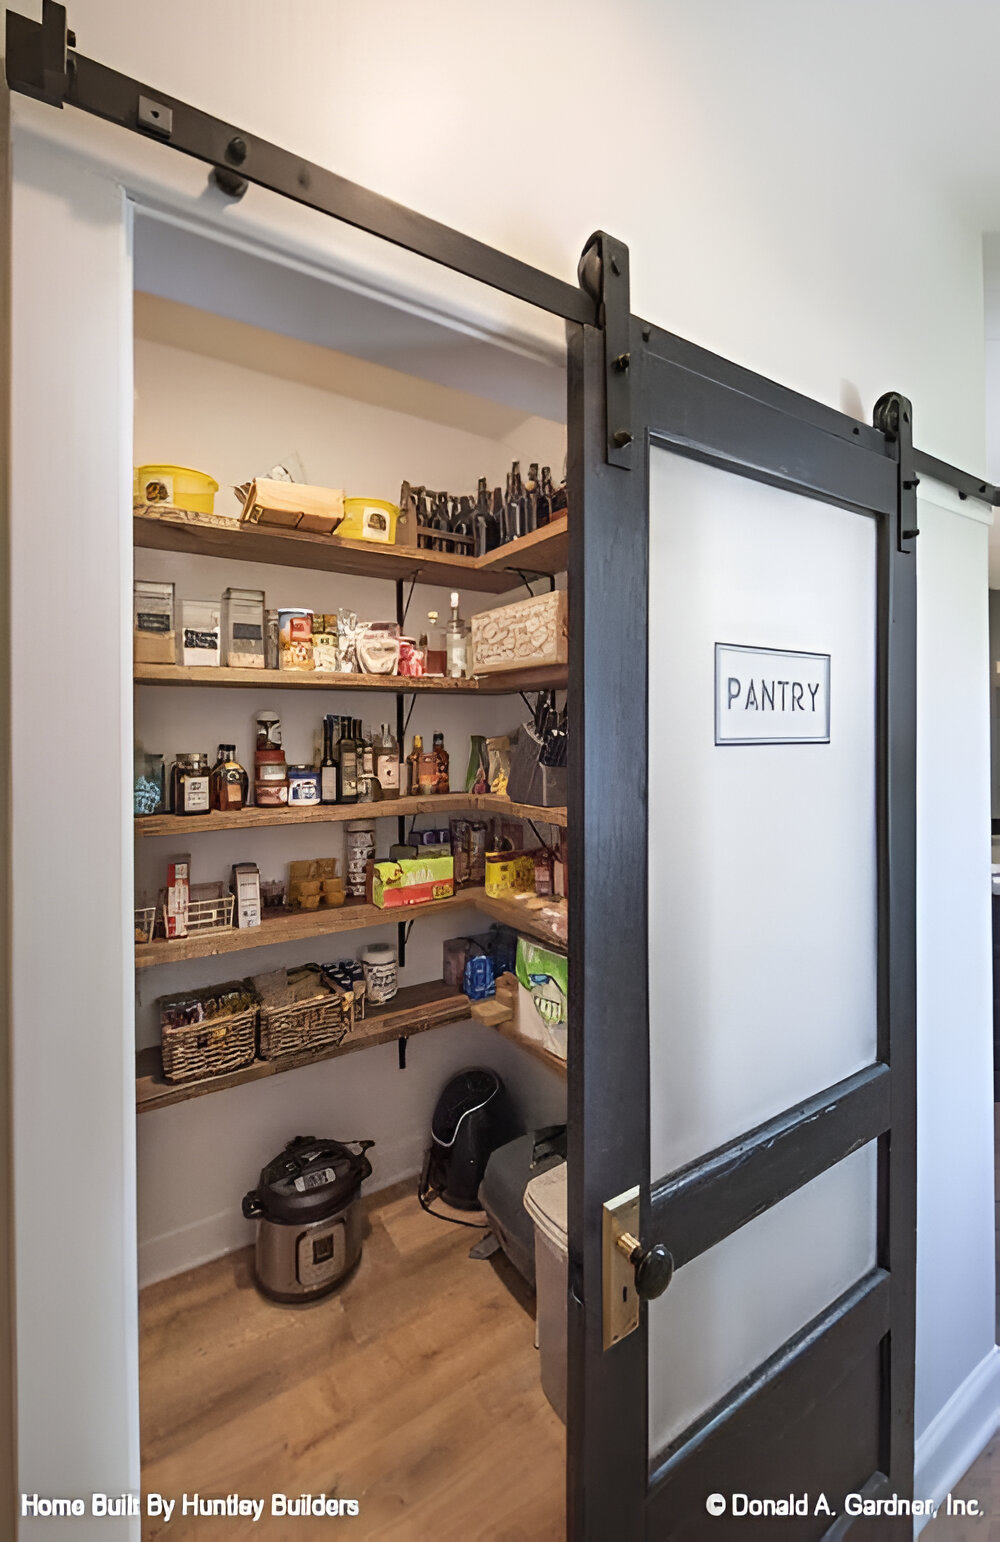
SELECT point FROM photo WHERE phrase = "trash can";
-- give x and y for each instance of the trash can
(545, 1202)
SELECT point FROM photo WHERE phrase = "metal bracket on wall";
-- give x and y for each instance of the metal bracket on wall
(603, 272)
(893, 415)
(37, 56)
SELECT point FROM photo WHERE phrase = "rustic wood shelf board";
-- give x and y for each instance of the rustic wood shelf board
(518, 915)
(551, 677)
(415, 1009)
(543, 551)
(297, 926)
(390, 808)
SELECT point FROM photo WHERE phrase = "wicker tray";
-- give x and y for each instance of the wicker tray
(306, 1026)
(211, 1048)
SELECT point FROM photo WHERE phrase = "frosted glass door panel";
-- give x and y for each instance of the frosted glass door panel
(734, 1306)
(762, 868)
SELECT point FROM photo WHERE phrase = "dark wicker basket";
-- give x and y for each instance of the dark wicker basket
(211, 1048)
(324, 1021)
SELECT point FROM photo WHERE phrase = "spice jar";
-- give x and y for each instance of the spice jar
(303, 784)
(189, 778)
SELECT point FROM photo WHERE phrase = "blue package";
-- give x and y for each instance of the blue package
(479, 981)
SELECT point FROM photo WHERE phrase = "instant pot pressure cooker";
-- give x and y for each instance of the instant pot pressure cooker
(308, 1217)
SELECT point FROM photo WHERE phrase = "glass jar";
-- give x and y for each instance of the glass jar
(189, 783)
(149, 793)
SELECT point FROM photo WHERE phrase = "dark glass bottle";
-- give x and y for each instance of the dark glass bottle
(543, 502)
(423, 517)
(328, 765)
(515, 521)
(228, 783)
(441, 524)
(559, 497)
(499, 516)
(531, 499)
(347, 764)
(481, 516)
(462, 526)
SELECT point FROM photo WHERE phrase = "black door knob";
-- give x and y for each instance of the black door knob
(653, 1272)
(654, 1269)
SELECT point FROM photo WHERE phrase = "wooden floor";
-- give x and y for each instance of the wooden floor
(414, 1389)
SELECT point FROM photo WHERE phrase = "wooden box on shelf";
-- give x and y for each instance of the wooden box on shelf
(191, 1051)
(293, 506)
(301, 1012)
(527, 634)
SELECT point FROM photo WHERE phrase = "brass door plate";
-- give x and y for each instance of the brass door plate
(620, 1302)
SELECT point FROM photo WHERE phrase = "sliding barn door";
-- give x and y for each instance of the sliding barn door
(742, 1184)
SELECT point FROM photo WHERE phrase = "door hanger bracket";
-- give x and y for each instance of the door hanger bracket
(603, 273)
(893, 416)
(36, 56)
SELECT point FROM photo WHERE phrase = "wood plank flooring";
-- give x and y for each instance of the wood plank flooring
(414, 1389)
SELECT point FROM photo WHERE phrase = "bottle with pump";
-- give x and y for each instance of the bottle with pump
(387, 763)
(347, 764)
(328, 764)
(456, 638)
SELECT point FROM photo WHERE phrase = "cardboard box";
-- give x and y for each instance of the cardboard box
(178, 894)
(419, 881)
(246, 887)
(526, 635)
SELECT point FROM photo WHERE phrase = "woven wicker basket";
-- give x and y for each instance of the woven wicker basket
(211, 1048)
(326, 1020)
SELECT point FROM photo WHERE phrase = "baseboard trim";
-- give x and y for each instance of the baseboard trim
(957, 1433)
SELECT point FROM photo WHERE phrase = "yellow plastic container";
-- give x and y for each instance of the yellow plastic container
(368, 519)
(177, 485)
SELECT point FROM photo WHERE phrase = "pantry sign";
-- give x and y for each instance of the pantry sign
(771, 696)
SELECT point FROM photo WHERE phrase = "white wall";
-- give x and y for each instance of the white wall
(732, 148)
(957, 1366)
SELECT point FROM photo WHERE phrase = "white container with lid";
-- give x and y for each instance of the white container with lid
(381, 975)
(545, 1202)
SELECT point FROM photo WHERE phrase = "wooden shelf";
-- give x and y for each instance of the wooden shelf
(544, 551)
(550, 678)
(415, 1009)
(499, 1013)
(337, 813)
(522, 915)
(353, 916)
